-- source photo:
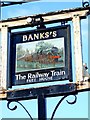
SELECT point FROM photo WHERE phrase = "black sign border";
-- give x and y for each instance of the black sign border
(64, 32)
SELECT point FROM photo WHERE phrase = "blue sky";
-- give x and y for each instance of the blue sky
(78, 110)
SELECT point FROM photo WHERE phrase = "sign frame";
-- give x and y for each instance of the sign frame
(16, 38)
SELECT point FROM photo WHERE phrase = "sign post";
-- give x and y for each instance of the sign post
(41, 107)
(4, 60)
(78, 48)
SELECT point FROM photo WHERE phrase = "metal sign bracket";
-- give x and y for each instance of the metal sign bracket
(74, 15)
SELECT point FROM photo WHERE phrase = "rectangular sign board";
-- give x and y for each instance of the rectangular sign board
(41, 55)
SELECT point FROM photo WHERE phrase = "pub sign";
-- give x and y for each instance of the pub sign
(40, 55)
